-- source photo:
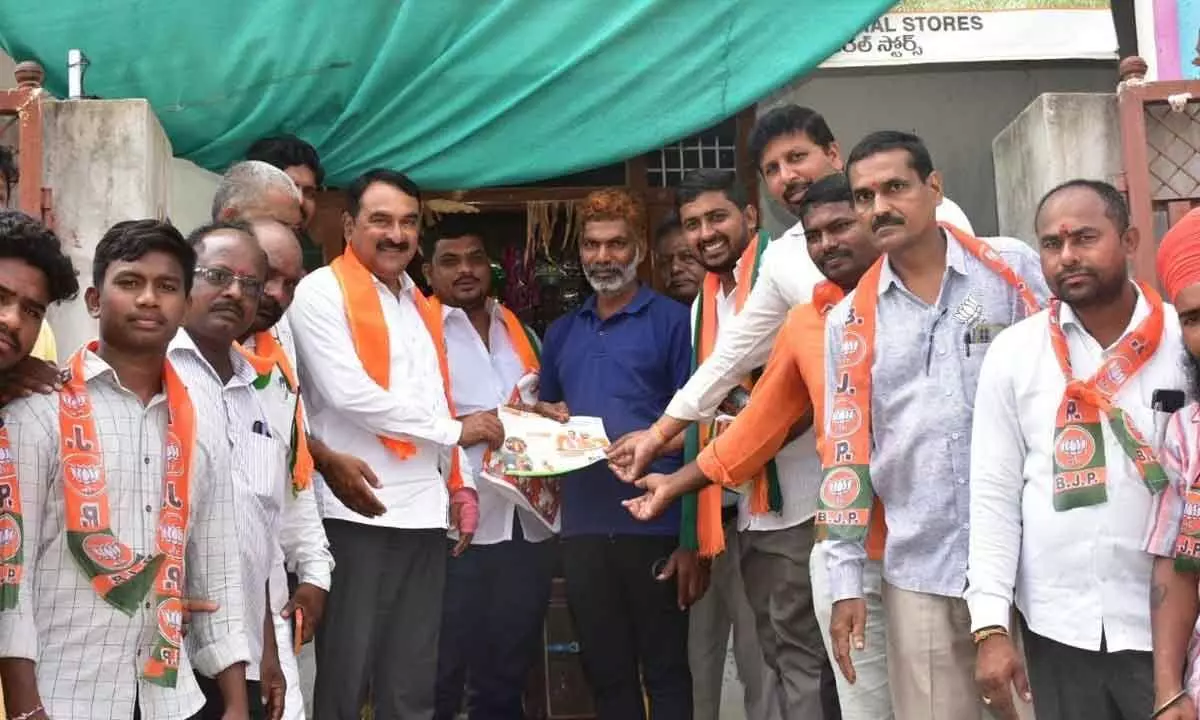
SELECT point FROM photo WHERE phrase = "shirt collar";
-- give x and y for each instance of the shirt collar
(956, 260)
(243, 372)
(639, 302)
(493, 309)
(407, 286)
(1141, 310)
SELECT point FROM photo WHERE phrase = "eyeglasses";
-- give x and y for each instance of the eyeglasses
(222, 278)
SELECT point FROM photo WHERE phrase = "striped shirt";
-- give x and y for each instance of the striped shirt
(89, 655)
(234, 413)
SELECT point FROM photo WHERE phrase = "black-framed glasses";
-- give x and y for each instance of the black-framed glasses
(223, 278)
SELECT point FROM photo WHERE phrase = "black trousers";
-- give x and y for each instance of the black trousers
(214, 703)
(631, 631)
(495, 602)
(1072, 684)
(381, 625)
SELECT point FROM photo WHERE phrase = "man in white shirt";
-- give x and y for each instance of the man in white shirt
(792, 147)
(230, 272)
(304, 546)
(372, 379)
(498, 590)
(66, 651)
(1063, 473)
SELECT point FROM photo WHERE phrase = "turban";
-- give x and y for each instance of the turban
(1179, 255)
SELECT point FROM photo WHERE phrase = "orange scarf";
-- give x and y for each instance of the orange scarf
(118, 574)
(1079, 464)
(12, 556)
(710, 535)
(268, 354)
(847, 494)
(368, 329)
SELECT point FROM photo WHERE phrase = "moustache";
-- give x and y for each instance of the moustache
(401, 245)
(883, 221)
(223, 306)
(1073, 273)
(834, 254)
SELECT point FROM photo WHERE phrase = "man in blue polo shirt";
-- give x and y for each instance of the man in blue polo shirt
(621, 357)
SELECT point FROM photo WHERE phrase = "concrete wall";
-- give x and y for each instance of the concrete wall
(957, 109)
(191, 193)
(1058, 137)
(107, 161)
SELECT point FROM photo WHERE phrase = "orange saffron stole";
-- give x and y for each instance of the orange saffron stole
(368, 329)
(709, 535)
(118, 574)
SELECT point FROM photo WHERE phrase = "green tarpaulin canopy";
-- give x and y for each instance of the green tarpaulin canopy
(459, 93)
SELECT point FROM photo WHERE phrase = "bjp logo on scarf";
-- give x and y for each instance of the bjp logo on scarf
(107, 553)
(853, 351)
(840, 489)
(10, 538)
(1075, 448)
(844, 419)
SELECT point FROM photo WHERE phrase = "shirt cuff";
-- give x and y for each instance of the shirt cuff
(682, 408)
(845, 580)
(449, 431)
(989, 611)
(211, 660)
(318, 573)
(18, 635)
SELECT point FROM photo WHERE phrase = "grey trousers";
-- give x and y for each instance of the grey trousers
(1072, 684)
(379, 637)
(725, 608)
(779, 587)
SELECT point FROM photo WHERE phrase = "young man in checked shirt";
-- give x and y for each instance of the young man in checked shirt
(94, 626)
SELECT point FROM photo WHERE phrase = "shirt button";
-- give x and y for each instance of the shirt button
(966, 526)
(962, 481)
(146, 460)
(147, 606)
(941, 351)
(954, 436)
(149, 509)
(949, 392)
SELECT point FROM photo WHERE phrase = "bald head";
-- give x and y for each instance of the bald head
(252, 190)
(285, 267)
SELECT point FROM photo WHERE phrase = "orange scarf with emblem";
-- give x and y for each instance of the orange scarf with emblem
(847, 494)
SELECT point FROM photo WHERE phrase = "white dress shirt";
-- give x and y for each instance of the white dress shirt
(89, 654)
(797, 463)
(1081, 574)
(259, 470)
(786, 278)
(349, 411)
(483, 378)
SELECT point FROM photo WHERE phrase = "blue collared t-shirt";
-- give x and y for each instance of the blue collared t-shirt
(624, 369)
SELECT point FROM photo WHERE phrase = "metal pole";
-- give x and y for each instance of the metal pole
(77, 64)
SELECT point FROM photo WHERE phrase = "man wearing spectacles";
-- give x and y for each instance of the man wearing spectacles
(231, 271)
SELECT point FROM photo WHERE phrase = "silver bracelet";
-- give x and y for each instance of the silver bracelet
(30, 714)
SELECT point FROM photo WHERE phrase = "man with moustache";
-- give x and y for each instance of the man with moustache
(620, 357)
(1172, 536)
(497, 592)
(791, 390)
(898, 420)
(79, 649)
(722, 228)
(271, 349)
(1066, 402)
(230, 272)
(361, 330)
(679, 271)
